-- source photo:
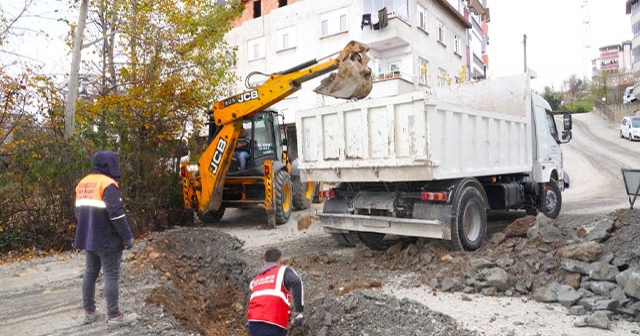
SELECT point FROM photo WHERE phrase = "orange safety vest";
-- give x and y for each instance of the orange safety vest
(269, 298)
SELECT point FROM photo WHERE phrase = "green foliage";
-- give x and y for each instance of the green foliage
(176, 64)
(576, 106)
(553, 98)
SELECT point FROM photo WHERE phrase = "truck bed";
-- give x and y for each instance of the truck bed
(472, 129)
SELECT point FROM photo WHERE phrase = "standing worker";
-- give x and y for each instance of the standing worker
(269, 308)
(103, 232)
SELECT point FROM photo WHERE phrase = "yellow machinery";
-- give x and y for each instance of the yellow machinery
(214, 183)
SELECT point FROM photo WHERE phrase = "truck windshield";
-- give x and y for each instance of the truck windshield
(635, 122)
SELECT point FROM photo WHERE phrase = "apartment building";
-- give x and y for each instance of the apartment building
(633, 8)
(415, 44)
(616, 61)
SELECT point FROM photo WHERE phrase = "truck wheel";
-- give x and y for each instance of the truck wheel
(373, 240)
(469, 225)
(212, 217)
(348, 239)
(552, 200)
(302, 193)
(282, 193)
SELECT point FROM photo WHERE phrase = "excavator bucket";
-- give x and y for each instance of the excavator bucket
(353, 78)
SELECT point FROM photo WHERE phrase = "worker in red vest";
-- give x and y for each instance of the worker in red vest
(269, 311)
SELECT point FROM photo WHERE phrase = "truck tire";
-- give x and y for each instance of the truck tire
(303, 193)
(469, 224)
(282, 193)
(347, 239)
(373, 240)
(212, 217)
(552, 201)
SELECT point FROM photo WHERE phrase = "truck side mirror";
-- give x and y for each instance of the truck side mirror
(566, 120)
(566, 136)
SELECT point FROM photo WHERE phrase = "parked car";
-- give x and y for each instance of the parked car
(628, 97)
(630, 128)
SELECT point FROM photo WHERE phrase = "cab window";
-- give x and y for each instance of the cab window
(551, 125)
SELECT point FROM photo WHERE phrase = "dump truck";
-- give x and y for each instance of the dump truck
(214, 182)
(431, 163)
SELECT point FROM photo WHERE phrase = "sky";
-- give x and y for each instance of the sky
(555, 36)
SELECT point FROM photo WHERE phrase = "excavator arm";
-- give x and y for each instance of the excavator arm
(352, 80)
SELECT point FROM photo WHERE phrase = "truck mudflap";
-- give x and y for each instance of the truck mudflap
(387, 225)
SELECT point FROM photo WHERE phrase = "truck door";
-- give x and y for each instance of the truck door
(549, 152)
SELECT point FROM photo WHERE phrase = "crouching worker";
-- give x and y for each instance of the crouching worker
(269, 311)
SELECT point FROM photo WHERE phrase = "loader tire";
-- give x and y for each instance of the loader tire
(282, 192)
(469, 222)
(212, 217)
(303, 193)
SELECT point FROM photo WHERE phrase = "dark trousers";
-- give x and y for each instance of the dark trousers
(265, 329)
(110, 264)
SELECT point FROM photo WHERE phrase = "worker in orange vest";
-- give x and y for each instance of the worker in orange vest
(269, 311)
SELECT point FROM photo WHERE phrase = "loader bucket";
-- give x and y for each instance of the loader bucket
(352, 80)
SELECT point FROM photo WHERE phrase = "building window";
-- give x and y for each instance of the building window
(257, 9)
(441, 32)
(422, 18)
(456, 44)
(285, 38)
(282, 3)
(395, 67)
(424, 71)
(324, 28)
(285, 41)
(256, 48)
(343, 23)
(443, 77)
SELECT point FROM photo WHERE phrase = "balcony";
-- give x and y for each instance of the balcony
(394, 35)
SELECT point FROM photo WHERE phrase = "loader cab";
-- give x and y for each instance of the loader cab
(266, 143)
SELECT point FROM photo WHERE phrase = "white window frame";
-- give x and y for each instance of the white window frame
(423, 68)
(441, 32)
(442, 77)
(343, 23)
(324, 27)
(285, 38)
(395, 65)
(456, 44)
(421, 18)
(255, 49)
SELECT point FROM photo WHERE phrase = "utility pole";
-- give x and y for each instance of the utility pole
(525, 52)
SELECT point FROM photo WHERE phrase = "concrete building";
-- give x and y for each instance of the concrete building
(633, 8)
(616, 61)
(425, 42)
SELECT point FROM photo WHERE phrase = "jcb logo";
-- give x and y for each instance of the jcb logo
(241, 97)
(217, 156)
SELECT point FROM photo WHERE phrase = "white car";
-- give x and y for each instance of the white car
(630, 128)
(628, 97)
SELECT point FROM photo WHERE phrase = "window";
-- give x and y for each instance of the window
(257, 9)
(324, 28)
(255, 48)
(395, 66)
(282, 3)
(456, 44)
(394, 7)
(424, 71)
(441, 32)
(443, 77)
(343, 23)
(421, 17)
(285, 38)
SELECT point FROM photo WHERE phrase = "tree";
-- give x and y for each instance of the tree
(553, 98)
(575, 87)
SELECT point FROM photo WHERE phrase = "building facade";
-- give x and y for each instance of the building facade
(616, 61)
(425, 43)
(633, 8)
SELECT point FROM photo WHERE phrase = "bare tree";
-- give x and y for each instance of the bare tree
(72, 95)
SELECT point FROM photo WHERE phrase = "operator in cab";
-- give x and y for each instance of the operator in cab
(242, 149)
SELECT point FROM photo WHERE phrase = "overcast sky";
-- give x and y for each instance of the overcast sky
(554, 28)
(555, 36)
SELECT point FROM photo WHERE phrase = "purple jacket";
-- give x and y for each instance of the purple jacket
(102, 225)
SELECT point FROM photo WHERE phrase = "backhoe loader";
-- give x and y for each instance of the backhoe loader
(215, 182)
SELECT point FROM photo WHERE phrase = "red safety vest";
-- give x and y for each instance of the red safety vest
(269, 299)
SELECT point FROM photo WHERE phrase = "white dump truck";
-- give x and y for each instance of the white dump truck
(430, 163)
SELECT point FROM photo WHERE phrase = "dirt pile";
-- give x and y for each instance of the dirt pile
(368, 312)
